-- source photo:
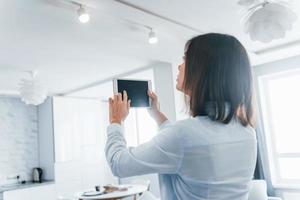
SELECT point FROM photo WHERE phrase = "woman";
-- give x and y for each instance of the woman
(211, 155)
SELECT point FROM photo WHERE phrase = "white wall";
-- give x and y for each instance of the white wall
(278, 66)
(19, 139)
(46, 139)
(163, 77)
(180, 106)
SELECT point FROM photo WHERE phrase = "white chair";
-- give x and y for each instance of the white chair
(141, 182)
(258, 191)
(147, 196)
(64, 198)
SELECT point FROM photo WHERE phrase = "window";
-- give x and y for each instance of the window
(139, 127)
(280, 103)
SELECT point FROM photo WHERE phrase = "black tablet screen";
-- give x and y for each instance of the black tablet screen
(136, 90)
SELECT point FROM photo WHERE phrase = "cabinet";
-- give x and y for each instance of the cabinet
(45, 192)
(79, 141)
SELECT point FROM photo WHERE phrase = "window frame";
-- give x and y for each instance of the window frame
(262, 76)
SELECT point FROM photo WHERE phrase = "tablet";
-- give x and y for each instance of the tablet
(137, 91)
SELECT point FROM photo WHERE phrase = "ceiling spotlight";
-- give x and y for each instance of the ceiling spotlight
(83, 16)
(152, 37)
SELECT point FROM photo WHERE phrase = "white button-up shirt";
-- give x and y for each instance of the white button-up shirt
(196, 158)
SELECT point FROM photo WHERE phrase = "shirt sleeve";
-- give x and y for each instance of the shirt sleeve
(163, 154)
(165, 124)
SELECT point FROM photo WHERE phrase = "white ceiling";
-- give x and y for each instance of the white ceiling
(46, 35)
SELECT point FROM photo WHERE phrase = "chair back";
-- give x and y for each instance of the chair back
(258, 190)
(147, 196)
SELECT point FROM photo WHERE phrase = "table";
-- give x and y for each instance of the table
(133, 190)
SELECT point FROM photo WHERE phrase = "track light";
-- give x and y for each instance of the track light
(83, 16)
(152, 37)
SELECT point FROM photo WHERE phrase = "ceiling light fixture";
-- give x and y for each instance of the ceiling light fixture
(83, 16)
(31, 91)
(267, 20)
(152, 37)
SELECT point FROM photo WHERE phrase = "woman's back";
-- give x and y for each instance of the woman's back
(218, 161)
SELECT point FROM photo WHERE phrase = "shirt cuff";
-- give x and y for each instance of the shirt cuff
(115, 127)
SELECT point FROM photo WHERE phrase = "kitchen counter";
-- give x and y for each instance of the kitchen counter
(17, 186)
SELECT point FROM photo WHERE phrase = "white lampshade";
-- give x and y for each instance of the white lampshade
(31, 91)
(269, 22)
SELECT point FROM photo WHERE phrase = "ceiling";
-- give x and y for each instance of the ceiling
(45, 35)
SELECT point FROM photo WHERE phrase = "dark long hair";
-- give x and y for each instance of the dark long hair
(218, 71)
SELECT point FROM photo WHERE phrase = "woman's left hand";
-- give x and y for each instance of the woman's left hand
(118, 108)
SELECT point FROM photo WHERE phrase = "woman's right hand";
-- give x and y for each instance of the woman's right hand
(154, 110)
